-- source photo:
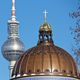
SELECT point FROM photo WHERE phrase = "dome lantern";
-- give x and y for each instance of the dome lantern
(45, 31)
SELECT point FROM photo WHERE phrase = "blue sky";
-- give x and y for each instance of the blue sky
(30, 14)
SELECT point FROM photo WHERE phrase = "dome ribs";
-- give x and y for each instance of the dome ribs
(30, 64)
(50, 55)
(16, 67)
(57, 58)
(46, 60)
(34, 52)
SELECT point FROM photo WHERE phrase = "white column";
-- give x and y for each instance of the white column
(12, 64)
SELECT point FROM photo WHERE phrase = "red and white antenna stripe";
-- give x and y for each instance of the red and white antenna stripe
(13, 7)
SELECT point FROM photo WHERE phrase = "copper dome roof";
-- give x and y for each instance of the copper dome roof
(45, 59)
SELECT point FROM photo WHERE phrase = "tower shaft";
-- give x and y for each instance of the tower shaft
(13, 47)
(12, 63)
(13, 26)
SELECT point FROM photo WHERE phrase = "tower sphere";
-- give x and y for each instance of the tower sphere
(12, 49)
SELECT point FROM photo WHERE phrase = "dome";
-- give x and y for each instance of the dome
(12, 49)
(45, 59)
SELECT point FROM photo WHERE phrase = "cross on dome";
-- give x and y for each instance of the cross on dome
(45, 15)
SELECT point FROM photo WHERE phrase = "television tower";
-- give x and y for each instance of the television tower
(13, 47)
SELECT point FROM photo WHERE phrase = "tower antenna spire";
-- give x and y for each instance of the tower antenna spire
(13, 10)
(45, 15)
